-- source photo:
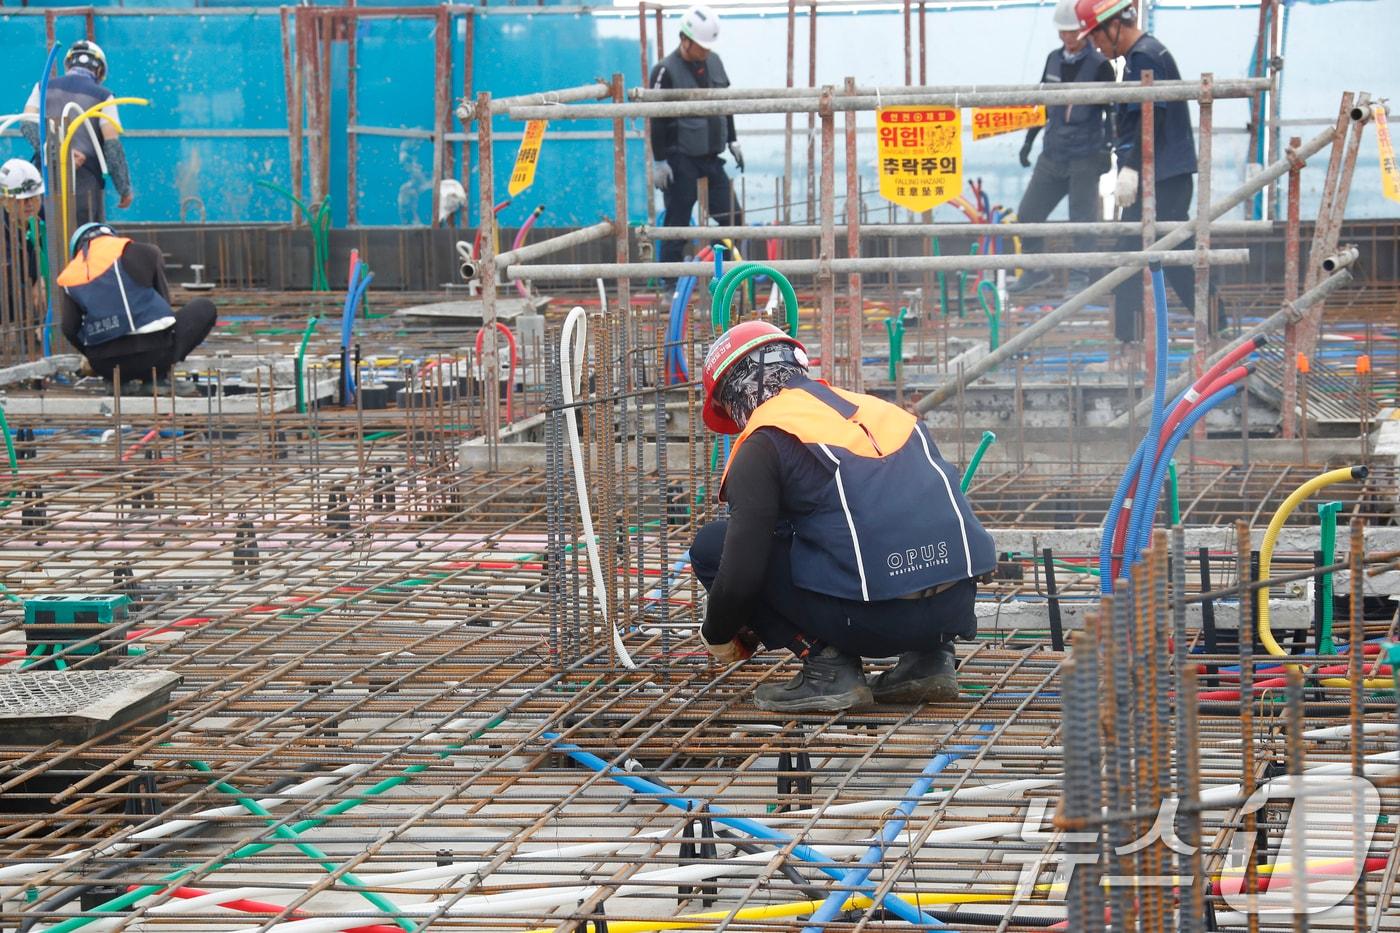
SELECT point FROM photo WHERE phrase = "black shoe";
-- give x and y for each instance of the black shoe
(919, 677)
(1028, 279)
(828, 681)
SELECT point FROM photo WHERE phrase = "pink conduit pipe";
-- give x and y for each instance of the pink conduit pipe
(520, 236)
(510, 377)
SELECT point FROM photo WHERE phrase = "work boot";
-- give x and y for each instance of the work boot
(919, 677)
(1027, 280)
(184, 388)
(828, 681)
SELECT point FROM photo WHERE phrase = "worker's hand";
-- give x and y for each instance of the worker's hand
(729, 652)
(738, 154)
(661, 175)
(78, 159)
(125, 201)
(1125, 190)
(1026, 152)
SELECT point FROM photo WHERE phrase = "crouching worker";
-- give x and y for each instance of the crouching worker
(847, 537)
(115, 310)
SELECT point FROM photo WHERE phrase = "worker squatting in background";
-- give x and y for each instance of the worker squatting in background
(687, 149)
(1073, 151)
(21, 284)
(69, 96)
(848, 535)
(1112, 27)
(115, 310)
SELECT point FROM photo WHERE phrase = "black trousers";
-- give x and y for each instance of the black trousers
(88, 199)
(793, 618)
(680, 197)
(1053, 179)
(1173, 203)
(139, 354)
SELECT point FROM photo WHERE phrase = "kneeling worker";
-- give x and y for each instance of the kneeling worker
(115, 308)
(848, 535)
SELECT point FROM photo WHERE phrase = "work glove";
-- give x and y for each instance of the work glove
(1125, 190)
(661, 175)
(739, 648)
(738, 155)
(1026, 152)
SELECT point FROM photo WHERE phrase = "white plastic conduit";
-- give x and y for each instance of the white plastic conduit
(391, 880)
(26, 870)
(532, 901)
(573, 344)
(92, 132)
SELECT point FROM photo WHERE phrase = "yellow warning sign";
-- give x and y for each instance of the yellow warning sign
(920, 155)
(1390, 172)
(523, 175)
(993, 121)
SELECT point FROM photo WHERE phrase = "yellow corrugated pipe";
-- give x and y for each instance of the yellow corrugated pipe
(1266, 552)
(63, 164)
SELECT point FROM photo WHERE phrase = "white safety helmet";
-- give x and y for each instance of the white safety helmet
(1065, 18)
(19, 179)
(87, 54)
(700, 25)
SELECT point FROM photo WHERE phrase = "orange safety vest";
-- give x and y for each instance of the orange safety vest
(891, 518)
(113, 306)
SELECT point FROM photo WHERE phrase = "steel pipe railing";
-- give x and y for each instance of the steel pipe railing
(1093, 93)
(1290, 313)
(652, 95)
(564, 241)
(1066, 228)
(1112, 280)
(645, 270)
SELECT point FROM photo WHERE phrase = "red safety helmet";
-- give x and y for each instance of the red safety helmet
(1094, 13)
(731, 347)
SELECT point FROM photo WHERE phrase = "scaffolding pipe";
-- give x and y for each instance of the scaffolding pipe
(1112, 280)
(556, 244)
(652, 95)
(1066, 228)
(1291, 313)
(466, 108)
(796, 267)
(1100, 93)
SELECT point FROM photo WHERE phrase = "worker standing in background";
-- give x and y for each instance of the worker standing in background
(848, 535)
(21, 286)
(70, 95)
(1112, 26)
(1073, 153)
(687, 149)
(115, 310)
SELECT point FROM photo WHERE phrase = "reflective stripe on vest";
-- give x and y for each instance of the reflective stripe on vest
(113, 306)
(891, 520)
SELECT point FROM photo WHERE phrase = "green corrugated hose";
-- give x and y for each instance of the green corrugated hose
(10, 453)
(988, 438)
(1175, 493)
(1327, 516)
(993, 310)
(726, 287)
(894, 327)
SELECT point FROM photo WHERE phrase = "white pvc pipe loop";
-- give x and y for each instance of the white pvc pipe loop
(573, 345)
(92, 132)
(26, 870)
